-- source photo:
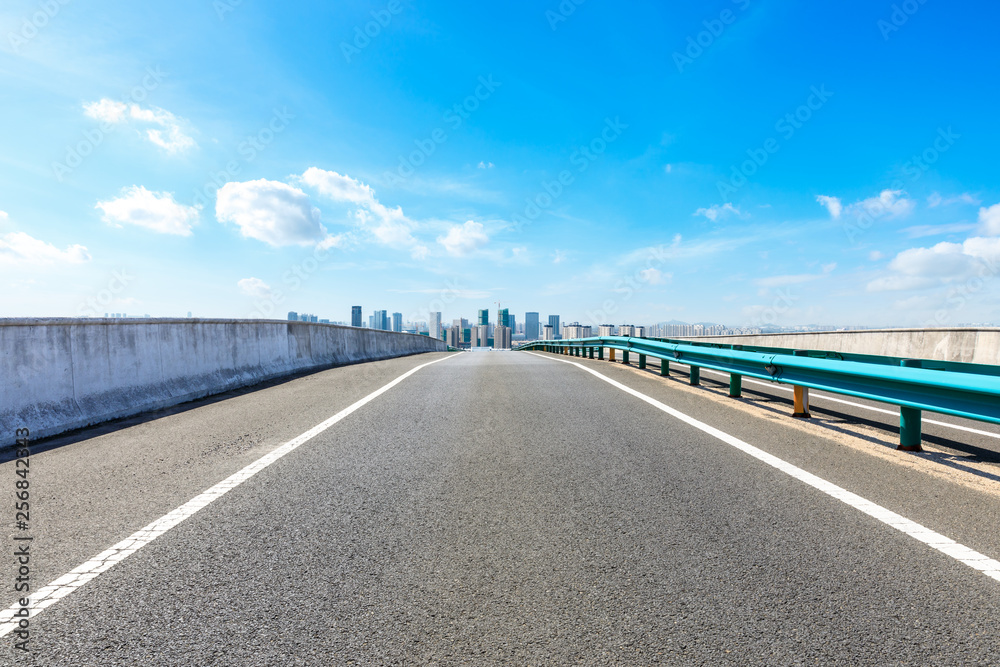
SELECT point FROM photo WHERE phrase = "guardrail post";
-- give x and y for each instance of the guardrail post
(600, 353)
(695, 377)
(664, 367)
(909, 420)
(591, 353)
(801, 394)
(735, 385)
(642, 361)
(611, 354)
(625, 357)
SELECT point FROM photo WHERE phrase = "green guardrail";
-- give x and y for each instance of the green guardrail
(963, 390)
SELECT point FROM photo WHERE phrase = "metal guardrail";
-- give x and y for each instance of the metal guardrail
(963, 390)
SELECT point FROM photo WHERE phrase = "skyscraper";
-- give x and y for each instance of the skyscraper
(355, 316)
(554, 323)
(503, 318)
(293, 316)
(531, 326)
(397, 321)
(380, 320)
(434, 326)
(484, 318)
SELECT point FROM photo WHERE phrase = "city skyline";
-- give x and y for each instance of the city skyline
(612, 168)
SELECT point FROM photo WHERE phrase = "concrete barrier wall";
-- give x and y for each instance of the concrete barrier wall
(977, 346)
(61, 374)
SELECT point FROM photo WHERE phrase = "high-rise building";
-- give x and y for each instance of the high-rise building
(454, 337)
(512, 324)
(293, 316)
(434, 326)
(554, 323)
(483, 318)
(626, 330)
(503, 318)
(501, 338)
(371, 321)
(380, 320)
(548, 333)
(355, 316)
(531, 326)
(484, 335)
(606, 330)
(397, 321)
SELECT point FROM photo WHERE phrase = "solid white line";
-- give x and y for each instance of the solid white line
(104, 561)
(895, 413)
(945, 545)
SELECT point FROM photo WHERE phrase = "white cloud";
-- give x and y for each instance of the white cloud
(272, 212)
(875, 255)
(3, 216)
(485, 165)
(717, 211)
(338, 187)
(889, 203)
(168, 136)
(832, 205)
(20, 247)
(153, 210)
(255, 287)
(941, 264)
(558, 257)
(989, 220)
(389, 226)
(935, 200)
(464, 239)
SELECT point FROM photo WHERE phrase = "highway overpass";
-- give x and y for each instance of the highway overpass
(510, 508)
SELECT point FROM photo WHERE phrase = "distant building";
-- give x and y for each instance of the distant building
(554, 323)
(640, 332)
(454, 337)
(483, 318)
(483, 335)
(355, 316)
(606, 330)
(434, 326)
(531, 326)
(397, 321)
(626, 330)
(503, 318)
(293, 316)
(573, 330)
(380, 320)
(501, 338)
(548, 333)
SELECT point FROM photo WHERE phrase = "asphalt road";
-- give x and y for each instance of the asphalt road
(498, 508)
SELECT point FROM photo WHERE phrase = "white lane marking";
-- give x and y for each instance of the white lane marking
(104, 561)
(827, 397)
(945, 545)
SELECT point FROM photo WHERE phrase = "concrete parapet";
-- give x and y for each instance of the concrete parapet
(61, 374)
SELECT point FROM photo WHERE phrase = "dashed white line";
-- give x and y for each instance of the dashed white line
(945, 545)
(104, 561)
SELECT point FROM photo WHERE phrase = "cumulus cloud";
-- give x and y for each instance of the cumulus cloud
(156, 211)
(270, 211)
(832, 205)
(254, 287)
(717, 211)
(989, 220)
(22, 248)
(389, 226)
(3, 216)
(167, 134)
(941, 264)
(464, 239)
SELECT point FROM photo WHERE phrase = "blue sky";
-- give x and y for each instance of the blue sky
(749, 162)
